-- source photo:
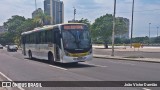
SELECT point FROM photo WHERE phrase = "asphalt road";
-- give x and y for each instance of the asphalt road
(14, 66)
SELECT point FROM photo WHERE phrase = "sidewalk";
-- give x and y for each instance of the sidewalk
(154, 60)
(146, 54)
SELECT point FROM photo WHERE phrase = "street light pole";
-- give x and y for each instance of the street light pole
(132, 23)
(157, 31)
(113, 32)
(149, 31)
(74, 13)
(35, 4)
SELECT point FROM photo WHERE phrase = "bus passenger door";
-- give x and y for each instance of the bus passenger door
(23, 45)
(57, 46)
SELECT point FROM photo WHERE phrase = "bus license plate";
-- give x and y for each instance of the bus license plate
(79, 58)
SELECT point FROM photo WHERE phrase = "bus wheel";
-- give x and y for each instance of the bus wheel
(30, 55)
(51, 59)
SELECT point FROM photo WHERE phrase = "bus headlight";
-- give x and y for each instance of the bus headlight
(67, 54)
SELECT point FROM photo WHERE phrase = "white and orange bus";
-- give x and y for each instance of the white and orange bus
(64, 43)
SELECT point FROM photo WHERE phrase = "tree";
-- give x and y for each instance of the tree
(118, 41)
(11, 25)
(27, 25)
(102, 28)
(6, 38)
(16, 25)
(14, 22)
(157, 40)
(141, 40)
(121, 26)
(121, 40)
(42, 19)
(85, 21)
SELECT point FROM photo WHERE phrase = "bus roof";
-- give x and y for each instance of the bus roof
(48, 27)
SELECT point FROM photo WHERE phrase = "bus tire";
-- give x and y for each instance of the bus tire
(51, 58)
(30, 55)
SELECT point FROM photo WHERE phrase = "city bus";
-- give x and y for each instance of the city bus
(64, 43)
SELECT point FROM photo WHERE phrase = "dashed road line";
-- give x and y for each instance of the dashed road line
(5, 76)
(95, 65)
(146, 89)
(122, 63)
(58, 67)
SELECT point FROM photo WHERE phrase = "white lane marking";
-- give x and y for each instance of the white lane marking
(58, 67)
(10, 80)
(5, 76)
(146, 89)
(95, 65)
(122, 63)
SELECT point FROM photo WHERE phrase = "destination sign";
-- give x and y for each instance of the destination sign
(68, 27)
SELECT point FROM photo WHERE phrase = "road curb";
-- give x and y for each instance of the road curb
(128, 59)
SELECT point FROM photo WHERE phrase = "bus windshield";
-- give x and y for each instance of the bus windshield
(76, 39)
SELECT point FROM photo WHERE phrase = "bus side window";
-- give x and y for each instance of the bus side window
(43, 38)
(46, 40)
(38, 37)
(33, 38)
(52, 36)
(23, 39)
(27, 39)
(49, 36)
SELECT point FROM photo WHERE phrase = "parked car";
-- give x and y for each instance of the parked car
(16, 46)
(12, 48)
(1, 47)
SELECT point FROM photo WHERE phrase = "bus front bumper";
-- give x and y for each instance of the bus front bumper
(67, 59)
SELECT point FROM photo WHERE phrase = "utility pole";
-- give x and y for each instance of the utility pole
(114, 24)
(74, 13)
(132, 23)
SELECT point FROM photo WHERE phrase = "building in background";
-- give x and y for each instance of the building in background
(36, 12)
(127, 24)
(55, 9)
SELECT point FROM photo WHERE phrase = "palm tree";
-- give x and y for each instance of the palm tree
(42, 19)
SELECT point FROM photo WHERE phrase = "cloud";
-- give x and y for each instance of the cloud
(145, 13)
(17, 7)
(92, 9)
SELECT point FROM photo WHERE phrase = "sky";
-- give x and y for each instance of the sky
(146, 11)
